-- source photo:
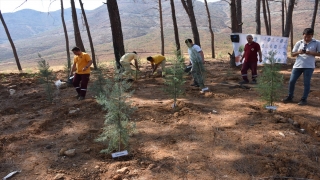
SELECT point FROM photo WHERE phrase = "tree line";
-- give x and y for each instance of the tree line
(287, 8)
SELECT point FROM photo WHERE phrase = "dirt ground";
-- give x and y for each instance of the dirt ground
(224, 133)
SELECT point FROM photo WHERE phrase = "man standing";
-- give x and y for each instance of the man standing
(196, 57)
(305, 50)
(125, 62)
(81, 64)
(155, 62)
(251, 49)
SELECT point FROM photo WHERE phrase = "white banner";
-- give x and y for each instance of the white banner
(267, 43)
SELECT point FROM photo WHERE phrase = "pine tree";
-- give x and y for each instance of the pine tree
(46, 77)
(174, 80)
(118, 126)
(101, 85)
(270, 83)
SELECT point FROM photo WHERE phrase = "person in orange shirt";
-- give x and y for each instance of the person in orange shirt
(155, 62)
(81, 65)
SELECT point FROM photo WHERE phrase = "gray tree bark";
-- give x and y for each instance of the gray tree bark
(210, 30)
(65, 36)
(77, 34)
(188, 7)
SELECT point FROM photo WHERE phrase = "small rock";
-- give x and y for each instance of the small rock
(151, 166)
(117, 177)
(290, 121)
(72, 111)
(70, 152)
(59, 176)
(62, 150)
(49, 146)
(214, 111)
(176, 114)
(296, 124)
(97, 167)
(87, 150)
(12, 91)
(12, 87)
(123, 170)
(281, 134)
(302, 131)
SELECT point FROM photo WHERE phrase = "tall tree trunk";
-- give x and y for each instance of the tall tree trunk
(89, 35)
(239, 15)
(210, 29)
(234, 28)
(258, 21)
(117, 36)
(282, 16)
(265, 17)
(234, 20)
(291, 36)
(269, 16)
(188, 7)
(175, 27)
(314, 13)
(289, 18)
(11, 42)
(77, 35)
(65, 36)
(161, 27)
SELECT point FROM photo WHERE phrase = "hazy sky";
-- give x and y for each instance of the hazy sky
(7, 6)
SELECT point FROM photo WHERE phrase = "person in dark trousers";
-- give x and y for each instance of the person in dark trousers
(81, 65)
(251, 49)
(305, 50)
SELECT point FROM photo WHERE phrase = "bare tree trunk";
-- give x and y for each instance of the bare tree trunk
(210, 29)
(11, 42)
(269, 16)
(258, 21)
(65, 36)
(89, 35)
(116, 30)
(188, 7)
(77, 35)
(161, 27)
(314, 13)
(282, 16)
(291, 36)
(234, 20)
(265, 17)
(239, 15)
(289, 19)
(234, 28)
(175, 27)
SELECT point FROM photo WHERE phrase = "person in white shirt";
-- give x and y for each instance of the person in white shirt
(196, 57)
(305, 50)
(125, 62)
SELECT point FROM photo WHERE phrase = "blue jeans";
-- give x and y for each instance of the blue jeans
(295, 74)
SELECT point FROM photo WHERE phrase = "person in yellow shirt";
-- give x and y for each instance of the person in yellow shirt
(81, 65)
(155, 62)
(125, 62)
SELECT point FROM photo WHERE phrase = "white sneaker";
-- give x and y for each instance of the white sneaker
(205, 89)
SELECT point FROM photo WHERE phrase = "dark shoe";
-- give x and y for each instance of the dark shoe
(195, 85)
(302, 102)
(81, 98)
(243, 82)
(288, 99)
(77, 96)
(254, 82)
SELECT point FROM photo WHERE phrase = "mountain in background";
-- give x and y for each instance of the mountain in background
(37, 32)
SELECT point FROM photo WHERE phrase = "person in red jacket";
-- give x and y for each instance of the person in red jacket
(251, 49)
